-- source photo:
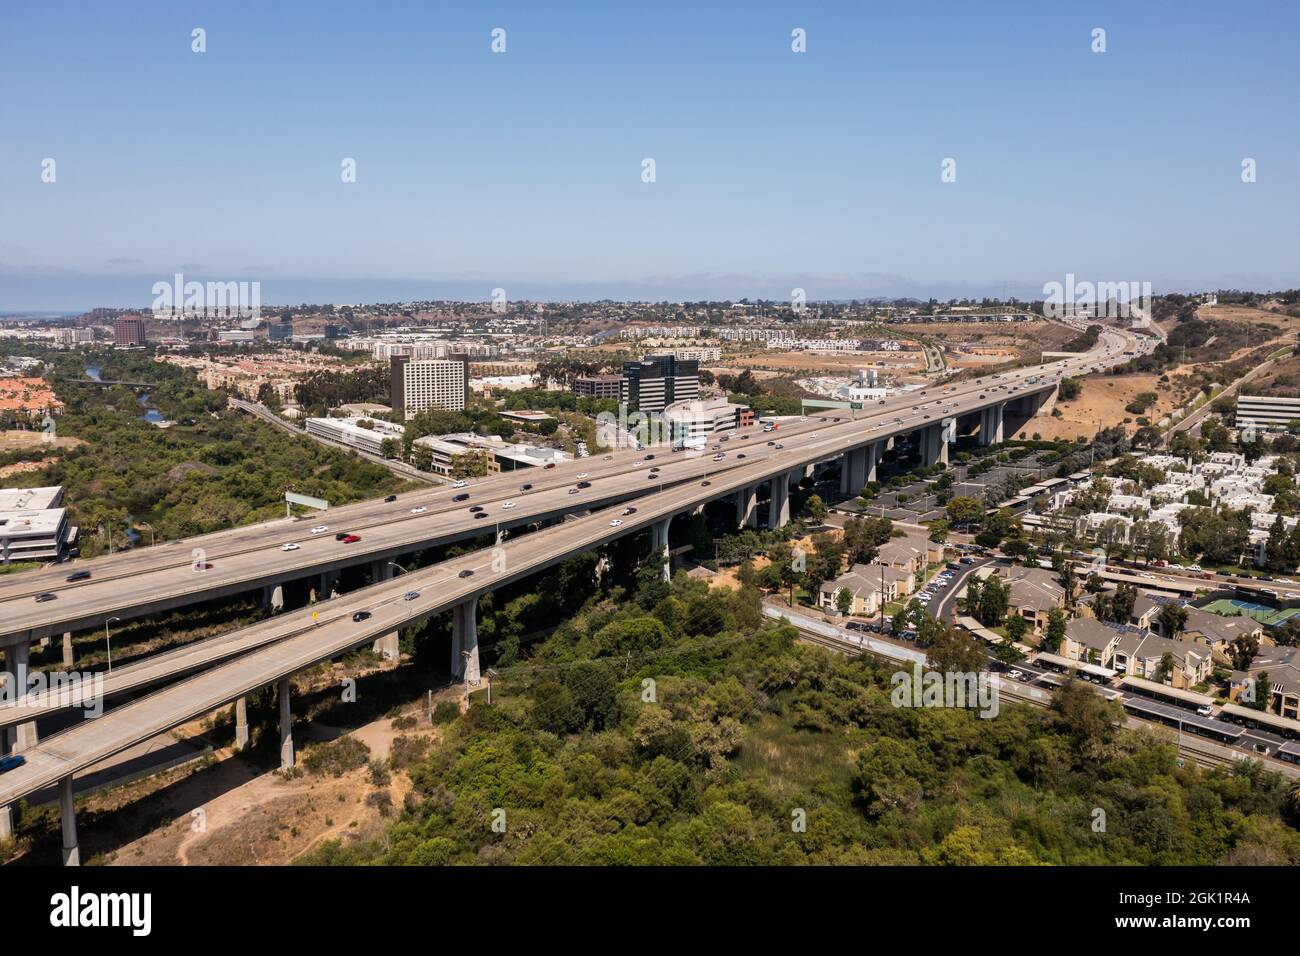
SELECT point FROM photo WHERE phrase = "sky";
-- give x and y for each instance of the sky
(523, 170)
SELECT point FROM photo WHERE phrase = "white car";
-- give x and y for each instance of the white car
(320, 529)
(460, 484)
(508, 504)
(615, 523)
(1205, 710)
(637, 464)
(289, 547)
(1016, 675)
(417, 511)
(1193, 567)
(582, 475)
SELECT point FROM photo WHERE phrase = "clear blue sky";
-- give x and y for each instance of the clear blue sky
(523, 170)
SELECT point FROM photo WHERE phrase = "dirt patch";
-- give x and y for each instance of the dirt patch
(1101, 404)
(19, 440)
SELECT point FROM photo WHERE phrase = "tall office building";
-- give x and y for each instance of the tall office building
(658, 381)
(418, 384)
(128, 331)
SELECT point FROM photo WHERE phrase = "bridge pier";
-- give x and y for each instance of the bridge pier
(746, 510)
(17, 658)
(286, 725)
(388, 646)
(933, 448)
(67, 650)
(6, 822)
(991, 422)
(241, 724)
(659, 545)
(328, 586)
(859, 467)
(68, 818)
(464, 642)
(778, 509)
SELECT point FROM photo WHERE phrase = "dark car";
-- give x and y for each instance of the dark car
(410, 595)
(475, 509)
(466, 573)
(649, 457)
(705, 484)
(45, 596)
(771, 443)
(629, 511)
(78, 576)
(481, 514)
(584, 484)
(741, 455)
(11, 762)
(525, 487)
(461, 498)
(341, 535)
(361, 616)
(391, 498)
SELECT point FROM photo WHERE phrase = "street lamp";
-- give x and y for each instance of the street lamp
(394, 564)
(108, 642)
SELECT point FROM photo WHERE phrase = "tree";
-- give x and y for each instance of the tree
(993, 602)
(1165, 669)
(964, 511)
(816, 509)
(971, 600)
(1054, 636)
(1172, 618)
(864, 536)
(824, 562)
(955, 652)
(844, 601)
(1017, 626)
(939, 531)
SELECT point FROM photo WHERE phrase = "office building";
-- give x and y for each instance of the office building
(427, 383)
(658, 381)
(598, 386)
(363, 434)
(694, 419)
(33, 527)
(128, 332)
(1265, 411)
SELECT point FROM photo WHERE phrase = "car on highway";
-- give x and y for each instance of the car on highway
(410, 595)
(779, 446)
(481, 514)
(649, 457)
(637, 464)
(581, 475)
(475, 509)
(461, 498)
(468, 572)
(1192, 567)
(1016, 675)
(574, 491)
(320, 529)
(507, 505)
(11, 762)
(460, 484)
(741, 455)
(360, 616)
(705, 484)
(719, 456)
(341, 535)
(289, 547)
(418, 511)
(78, 576)
(350, 538)
(608, 458)
(629, 511)
(527, 487)
(45, 596)
(550, 464)
(615, 523)
(390, 498)
(584, 484)
(771, 443)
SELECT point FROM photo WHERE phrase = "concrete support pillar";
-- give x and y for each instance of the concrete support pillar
(659, 545)
(6, 823)
(68, 816)
(846, 474)
(67, 650)
(778, 509)
(933, 447)
(387, 646)
(286, 726)
(991, 424)
(464, 641)
(746, 507)
(17, 660)
(241, 724)
(457, 641)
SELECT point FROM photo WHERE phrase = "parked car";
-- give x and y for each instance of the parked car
(1016, 675)
(550, 464)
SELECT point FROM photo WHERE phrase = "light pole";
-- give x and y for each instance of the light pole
(490, 673)
(108, 642)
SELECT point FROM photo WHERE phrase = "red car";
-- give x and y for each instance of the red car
(351, 538)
